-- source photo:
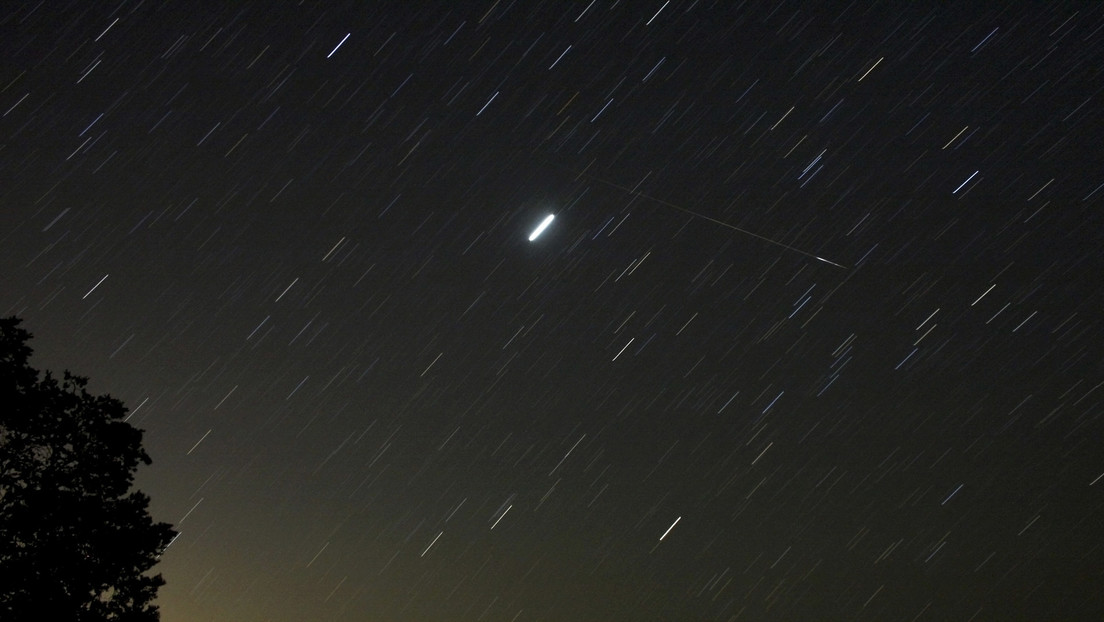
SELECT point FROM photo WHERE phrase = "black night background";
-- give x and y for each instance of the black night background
(815, 334)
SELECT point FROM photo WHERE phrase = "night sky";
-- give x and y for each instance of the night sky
(815, 334)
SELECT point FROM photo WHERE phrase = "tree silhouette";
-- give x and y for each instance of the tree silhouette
(75, 542)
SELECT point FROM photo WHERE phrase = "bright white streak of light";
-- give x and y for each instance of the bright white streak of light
(95, 286)
(965, 182)
(286, 290)
(541, 227)
(131, 413)
(500, 517)
(623, 349)
(16, 104)
(334, 248)
(669, 529)
(487, 104)
(951, 495)
(197, 444)
(338, 45)
(983, 295)
(649, 24)
(762, 452)
(871, 69)
(189, 513)
(432, 364)
(560, 57)
(431, 544)
(117, 19)
(585, 10)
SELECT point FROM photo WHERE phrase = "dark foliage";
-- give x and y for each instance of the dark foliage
(75, 542)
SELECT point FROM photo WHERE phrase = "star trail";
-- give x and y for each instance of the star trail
(815, 334)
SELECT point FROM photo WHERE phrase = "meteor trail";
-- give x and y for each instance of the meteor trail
(704, 217)
(541, 227)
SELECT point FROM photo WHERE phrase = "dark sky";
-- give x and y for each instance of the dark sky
(293, 238)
